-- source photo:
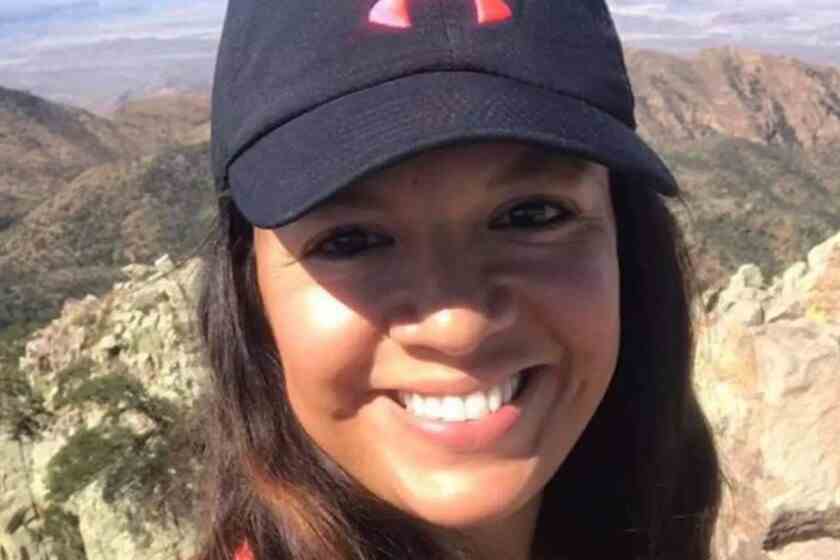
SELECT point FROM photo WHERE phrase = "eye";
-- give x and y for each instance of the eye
(346, 242)
(534, 214)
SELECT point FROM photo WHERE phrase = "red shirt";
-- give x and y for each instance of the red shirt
(244, 552)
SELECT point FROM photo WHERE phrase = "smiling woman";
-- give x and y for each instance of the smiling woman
(447, 312)
(459, 293)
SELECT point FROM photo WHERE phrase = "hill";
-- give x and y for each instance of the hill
(738, 93)
(751, 137)
(43, 145)
(109, 216)
(753, 140)
(165, 118)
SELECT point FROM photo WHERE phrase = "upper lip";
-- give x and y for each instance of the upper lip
(445, 385)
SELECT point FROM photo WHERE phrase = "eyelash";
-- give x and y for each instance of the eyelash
(563, 213)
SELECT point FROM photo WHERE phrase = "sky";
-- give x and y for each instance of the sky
(785, 22)
(41, 24)
(47, 23)
(44, 23)
(68, 50)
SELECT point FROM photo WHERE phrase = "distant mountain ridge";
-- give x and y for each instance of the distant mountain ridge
(113, 214)
(163, 118)
(43, 144)
(752, 138)
(740, 93)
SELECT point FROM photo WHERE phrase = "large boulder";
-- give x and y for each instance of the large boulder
(768, 374)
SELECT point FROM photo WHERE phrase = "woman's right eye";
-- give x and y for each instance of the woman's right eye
(346, 243)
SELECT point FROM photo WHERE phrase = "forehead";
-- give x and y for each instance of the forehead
(486, 166)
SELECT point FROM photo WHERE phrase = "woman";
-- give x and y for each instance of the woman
(446, 309)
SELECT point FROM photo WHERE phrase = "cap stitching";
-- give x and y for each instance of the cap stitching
(445, 24)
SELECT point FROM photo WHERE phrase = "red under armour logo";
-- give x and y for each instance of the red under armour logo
(394, 13)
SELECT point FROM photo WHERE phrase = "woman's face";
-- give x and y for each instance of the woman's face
(440, 277)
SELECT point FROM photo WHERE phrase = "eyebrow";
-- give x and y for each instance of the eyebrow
(533, 163)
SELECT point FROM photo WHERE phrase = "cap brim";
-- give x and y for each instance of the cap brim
(309, 158)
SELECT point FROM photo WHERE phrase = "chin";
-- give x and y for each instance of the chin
(456, 504)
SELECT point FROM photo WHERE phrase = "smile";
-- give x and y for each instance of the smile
(483, 419)
(455, 408)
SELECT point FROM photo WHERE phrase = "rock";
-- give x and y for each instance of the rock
(16, 508)
(114, 531)
(766, 367)
(136, 271)
(136, 348)
(770, 388)
(164, 264)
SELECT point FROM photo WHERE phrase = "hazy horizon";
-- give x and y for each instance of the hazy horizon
(47, 23)
(90, 52)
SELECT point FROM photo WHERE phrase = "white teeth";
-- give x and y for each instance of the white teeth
(475, 406)
(432, 406)
(451, 408)
(494, 399)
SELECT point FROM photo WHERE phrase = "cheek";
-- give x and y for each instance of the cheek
(324, 347)
(591, 289)
(574, 301)
(575, 296)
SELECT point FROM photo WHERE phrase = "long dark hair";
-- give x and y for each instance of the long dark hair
(643, 481)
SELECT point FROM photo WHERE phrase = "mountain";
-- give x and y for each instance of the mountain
(751, 137)
(109, 216)
(43, 145)
(97, 75)
(164, 118)
(739, 93)
(753, 140)
(82, 195)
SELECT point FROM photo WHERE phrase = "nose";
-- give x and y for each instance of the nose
(452, 308)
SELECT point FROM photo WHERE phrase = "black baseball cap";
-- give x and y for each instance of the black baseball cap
(311, 95)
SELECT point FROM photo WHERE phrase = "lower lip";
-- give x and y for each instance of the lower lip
(477, 435)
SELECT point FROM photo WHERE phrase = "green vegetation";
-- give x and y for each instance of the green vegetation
(22, 411)
(52, 527)
(752, 203)
(146, 468)
(108, 217)
(88, 453)
(60, 529)
(71, 376)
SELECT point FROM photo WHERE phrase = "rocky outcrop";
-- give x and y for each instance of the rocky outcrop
(105, 471)
(768, 372)
(110, 471)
